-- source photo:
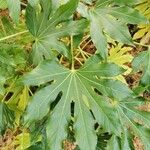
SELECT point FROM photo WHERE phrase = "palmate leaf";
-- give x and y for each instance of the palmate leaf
(79, 86)
(48, 28)
(83, 95)
(110, 20)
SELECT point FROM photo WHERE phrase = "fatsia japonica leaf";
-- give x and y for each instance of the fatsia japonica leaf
(115, 107)
(48, 28)
(110, 20)
(78, 86)
(142, 62)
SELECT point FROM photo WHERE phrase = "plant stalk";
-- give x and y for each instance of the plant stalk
(141, 44)
(72, 54)
(13, 35)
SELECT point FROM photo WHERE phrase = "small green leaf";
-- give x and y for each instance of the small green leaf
(33, 2)
(128, 14)
(14, 9)
(117, 30)
(142, 62)
(98, 37)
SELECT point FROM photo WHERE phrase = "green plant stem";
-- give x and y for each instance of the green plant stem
(13, 35)
(23, 4)
(72, 54)
(86, 37)
(141, 44)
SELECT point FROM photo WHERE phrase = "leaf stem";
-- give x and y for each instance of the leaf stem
(72, 54)
(13, 35)
(141, 44)
(23, 4)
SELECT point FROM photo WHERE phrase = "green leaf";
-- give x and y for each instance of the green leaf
(117, 30)
(6, 27)
(122, 143)
(144, 135)
(103, 3)
(83, 82)
(129, 2)
(33, 2)
(2, 81)
(113, 144)
(83, 10)
(47, 32)
(6, 117)
(12, 60)
(126, 141)
(57, 3)
(110, 20)
(130, 115)
(14, 9)
(98, 37)
(142, 62)
(3, 4)
(127, 14)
